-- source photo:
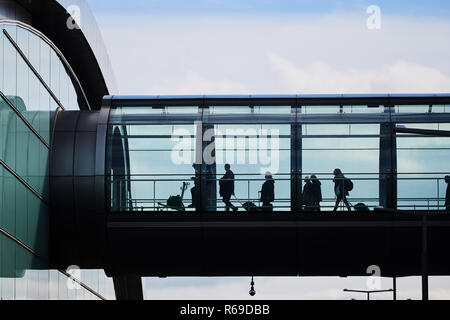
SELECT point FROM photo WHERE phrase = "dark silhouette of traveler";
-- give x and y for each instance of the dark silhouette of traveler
(340, 190)
(268, 193)
(307, 194)
(226, 188)
(447, 194)
(316, 193)
(195, 196)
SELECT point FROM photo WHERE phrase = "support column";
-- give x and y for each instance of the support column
(388, 165)
(424, 258)
(206, 160)
(128, 287)
(296, 162)
(394, 290)
(209, 184)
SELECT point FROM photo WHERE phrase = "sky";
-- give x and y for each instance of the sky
(276, 47)
(246, 47)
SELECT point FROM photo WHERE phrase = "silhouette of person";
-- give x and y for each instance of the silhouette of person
(226, 188)
(447, 194)
(316, 193)
(307, 194)
(268, 192)
(195, 196)
(339, 189)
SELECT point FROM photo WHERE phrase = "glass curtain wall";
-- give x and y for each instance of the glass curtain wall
(26, 108)
(351, 144)
(170, 146)
(177, 155)
(422, 164)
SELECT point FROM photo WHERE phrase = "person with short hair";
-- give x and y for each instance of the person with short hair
(226, 188)
(307, 194)
(268, 192)
(340, 190)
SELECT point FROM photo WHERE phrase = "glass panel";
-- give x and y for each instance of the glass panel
(363, 109)
(421, 183)
(151, 180)
(9, 65)
(440, 108)
(131, 113)
(63, 86)
(320, 109)
(27, 98)
(23, 215)
(54, 73)
(8, 212)
(412, 108)
(8, 134)
(44, 63)
(230, 110)
(250, 110)
(253, 150)
(34, 55)
(72, 103)
(2, 59)
(356, 157)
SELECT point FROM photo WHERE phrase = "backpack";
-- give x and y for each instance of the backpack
(348, 185)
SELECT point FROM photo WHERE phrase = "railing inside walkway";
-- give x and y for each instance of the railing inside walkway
(151, 193)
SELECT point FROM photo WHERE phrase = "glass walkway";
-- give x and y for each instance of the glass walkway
(169, 153)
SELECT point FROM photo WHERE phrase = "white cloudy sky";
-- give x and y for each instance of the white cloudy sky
(238, 52)
(288, 53)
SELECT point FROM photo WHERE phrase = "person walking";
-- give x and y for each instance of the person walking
(268, 193)
(307, 194)
(316, 193)
(195, 194)
(340, 189)
(226, 188)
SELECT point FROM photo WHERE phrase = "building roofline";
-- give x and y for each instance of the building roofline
(50, 18)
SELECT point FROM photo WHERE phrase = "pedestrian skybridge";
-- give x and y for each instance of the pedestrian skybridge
(117, 178)
(157, 145)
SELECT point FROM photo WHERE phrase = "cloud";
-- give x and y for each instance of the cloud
(319, 77)
(195, 83)
(269, 54)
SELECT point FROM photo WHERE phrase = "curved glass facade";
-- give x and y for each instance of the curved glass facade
(158, 144)
(34, 83)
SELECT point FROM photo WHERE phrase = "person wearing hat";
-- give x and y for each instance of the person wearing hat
(307, 194)
(268, 193)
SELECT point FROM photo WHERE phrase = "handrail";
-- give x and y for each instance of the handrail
(411, 203)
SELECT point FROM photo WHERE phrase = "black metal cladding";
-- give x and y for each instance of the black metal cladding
(77, 219)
